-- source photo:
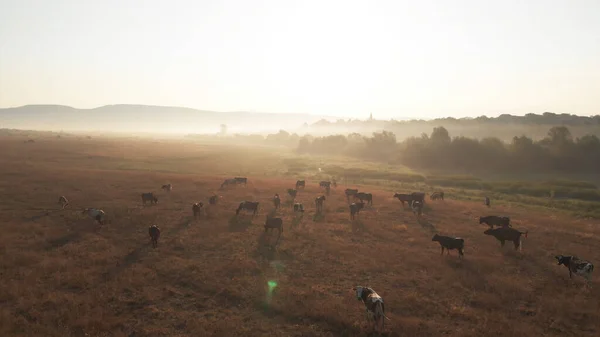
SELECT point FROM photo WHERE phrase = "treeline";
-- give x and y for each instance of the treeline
(503, 127)
(559, 151)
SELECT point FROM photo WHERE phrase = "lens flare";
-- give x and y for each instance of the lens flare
(272, 285)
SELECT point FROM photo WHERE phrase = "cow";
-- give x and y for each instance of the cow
(493, 220)
(355, 208)
(292, 193)
(248, 206)
(417, 208)
(350, 192)
(167, 187)
(276, 201)
(325, 184)
(272, 223)
(374, 307)
(241, 180)
(213, 200)
(418, 196)
(450, 243)
(319, 203)
(576, 265)
(362, 196)
(197, 209)
(300, 183)
(228, 182)
(154, 233)
(149, 197)
(504, 234)
(96, 214)
(62, 200)
(298, 207)
(437, 195)
(403, 198)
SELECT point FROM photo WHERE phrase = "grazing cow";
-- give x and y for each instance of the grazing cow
(437, 195)
(576, 265)
(362, 196)
(350, 192)
(450, 243)
(319, 203)
(241, 180)
(248, 206)
(300, 183)
(325, 184)
(197, 209)
(276, 201)
(493, 220)
(154, 233)
(374, 306)
(167, 187)
(149, 197)
(228, 182)
(63, 201)
(213, 200)
(487, 201)
(503, 234)
(96, 214)
(276, 223)
(403, 198)
(355, 208)
(292, 193)
(298, 207)
(417, 208)
(418, 196)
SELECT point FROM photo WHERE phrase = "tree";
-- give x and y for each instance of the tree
(223, 131)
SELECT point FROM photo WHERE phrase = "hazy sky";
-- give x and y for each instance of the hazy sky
(423, 58)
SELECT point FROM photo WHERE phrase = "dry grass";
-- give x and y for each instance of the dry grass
(63, 276)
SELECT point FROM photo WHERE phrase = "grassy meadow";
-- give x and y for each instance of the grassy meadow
(63, 275)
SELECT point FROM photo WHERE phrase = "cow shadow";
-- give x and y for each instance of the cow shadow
(272, 213)
(267, 245)
(62, 240)
(358, 226)
(239, 224)
(319, 217)
(338, 327)
(297, 220)
(41, 215)
(427, 225)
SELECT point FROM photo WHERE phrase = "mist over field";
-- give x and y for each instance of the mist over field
(159, 120)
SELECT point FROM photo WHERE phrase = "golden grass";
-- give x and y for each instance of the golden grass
(61, 275)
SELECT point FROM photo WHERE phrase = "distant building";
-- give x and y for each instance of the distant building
(371, 116)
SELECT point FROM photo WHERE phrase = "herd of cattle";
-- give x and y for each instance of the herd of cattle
(373, 302)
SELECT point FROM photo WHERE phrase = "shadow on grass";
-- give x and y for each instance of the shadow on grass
(319, 217)
(41, 215)
(267, 245)
(297, 220)
(426, 225)
(358, 226)
(62, 241)
(335, 326)
(239, 223)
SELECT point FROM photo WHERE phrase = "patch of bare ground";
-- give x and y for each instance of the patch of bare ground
(62, 275)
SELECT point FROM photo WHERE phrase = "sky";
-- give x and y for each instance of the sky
(415, 59)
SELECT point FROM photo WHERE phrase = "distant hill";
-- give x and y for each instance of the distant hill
(147, 118)
(163, 119)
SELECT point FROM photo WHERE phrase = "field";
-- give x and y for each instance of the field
(62, 275)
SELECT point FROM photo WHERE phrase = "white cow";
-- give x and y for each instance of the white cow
(96, 214)
(63, 201)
